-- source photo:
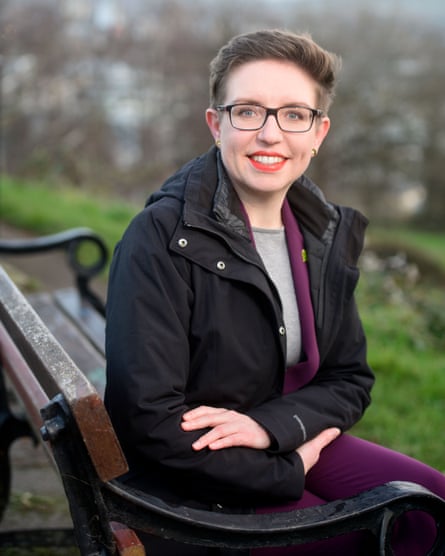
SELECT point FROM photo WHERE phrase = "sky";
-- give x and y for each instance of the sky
(432, 11)
(429, 11)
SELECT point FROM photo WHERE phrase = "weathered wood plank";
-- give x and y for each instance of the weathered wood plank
(85, 317)
(22, 379)
(57, 373)
(73, 339)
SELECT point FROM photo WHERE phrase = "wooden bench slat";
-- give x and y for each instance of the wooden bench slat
(57, 373)
(67, 333)
(22, 379)
(83, 315)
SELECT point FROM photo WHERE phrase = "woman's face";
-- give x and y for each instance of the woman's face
(269, 160)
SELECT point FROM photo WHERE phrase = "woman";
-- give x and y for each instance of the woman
(236, 357)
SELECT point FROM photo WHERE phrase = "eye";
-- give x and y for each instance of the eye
(246, 111)
(296, 114)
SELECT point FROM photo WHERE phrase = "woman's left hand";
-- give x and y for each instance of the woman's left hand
(228, 428)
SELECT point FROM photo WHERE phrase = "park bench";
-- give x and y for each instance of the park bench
(61, 390)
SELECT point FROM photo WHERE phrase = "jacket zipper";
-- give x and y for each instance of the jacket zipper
(249, 261)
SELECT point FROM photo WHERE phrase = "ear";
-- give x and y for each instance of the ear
(212, 119)
(321, 131)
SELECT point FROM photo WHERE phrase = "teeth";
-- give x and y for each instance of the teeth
(267, 159)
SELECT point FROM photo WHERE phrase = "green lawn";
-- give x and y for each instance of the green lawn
(407, 354)
(405, 322)
(425, 243)
(44, 210)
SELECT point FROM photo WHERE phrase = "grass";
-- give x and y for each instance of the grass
(429, 243)
(405, 326)
(44, 209)
(404, 322)
(407, 413)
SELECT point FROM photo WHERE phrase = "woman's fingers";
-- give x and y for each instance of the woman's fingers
(227, 428)
(217, 438)
(202, 417)
(310, 451)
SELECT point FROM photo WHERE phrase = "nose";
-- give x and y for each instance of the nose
(270, 132)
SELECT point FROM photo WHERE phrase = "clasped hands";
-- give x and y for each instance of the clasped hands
(230, 428)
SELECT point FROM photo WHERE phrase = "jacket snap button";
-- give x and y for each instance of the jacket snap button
(282, 331)
(182, 242)
(220, 265)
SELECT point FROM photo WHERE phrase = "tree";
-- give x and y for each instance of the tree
(121, 106)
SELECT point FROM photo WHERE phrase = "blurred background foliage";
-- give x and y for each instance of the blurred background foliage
(110, 95)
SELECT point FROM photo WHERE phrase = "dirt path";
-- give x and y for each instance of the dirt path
(37, 496)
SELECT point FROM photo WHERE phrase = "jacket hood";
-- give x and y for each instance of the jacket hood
(174, 186)
(203, 187)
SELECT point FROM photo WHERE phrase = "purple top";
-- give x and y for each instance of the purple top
(304, 371)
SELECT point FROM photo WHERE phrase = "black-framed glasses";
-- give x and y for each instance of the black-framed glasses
(252, 117)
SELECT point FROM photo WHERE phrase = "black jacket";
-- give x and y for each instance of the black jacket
(192, 318)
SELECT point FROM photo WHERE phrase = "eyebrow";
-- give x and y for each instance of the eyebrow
(257, 103)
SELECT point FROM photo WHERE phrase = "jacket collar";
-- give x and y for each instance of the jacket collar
(209, 196)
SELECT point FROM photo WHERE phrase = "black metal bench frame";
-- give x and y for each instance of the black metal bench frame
(88, 456)
(71, 241)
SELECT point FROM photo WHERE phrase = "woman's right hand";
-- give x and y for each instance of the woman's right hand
(310, 451)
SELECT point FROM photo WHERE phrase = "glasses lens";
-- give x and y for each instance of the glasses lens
(295, 118)
(247, 116)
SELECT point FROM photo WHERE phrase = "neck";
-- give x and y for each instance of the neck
(264, 212)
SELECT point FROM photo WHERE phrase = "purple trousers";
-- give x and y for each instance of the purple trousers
(348, 466)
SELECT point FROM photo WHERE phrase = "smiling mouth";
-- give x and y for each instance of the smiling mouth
(267, 160)
(267, 163)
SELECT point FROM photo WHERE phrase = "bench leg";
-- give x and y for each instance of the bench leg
(385, 534)
(88, 511)
(127, 542)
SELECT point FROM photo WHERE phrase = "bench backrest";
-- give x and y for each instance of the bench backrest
(39, 369)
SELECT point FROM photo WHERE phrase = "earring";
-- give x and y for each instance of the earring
(218, 143)
(314, 152)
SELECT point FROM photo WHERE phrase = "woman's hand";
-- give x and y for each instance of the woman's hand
(310, 451)
(228, 428)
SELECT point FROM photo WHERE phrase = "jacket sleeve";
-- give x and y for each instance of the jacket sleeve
(149, 307)
(336, 397)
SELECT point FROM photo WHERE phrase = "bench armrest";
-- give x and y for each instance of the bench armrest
(376, 510)
(34, 355)
(71, 241)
